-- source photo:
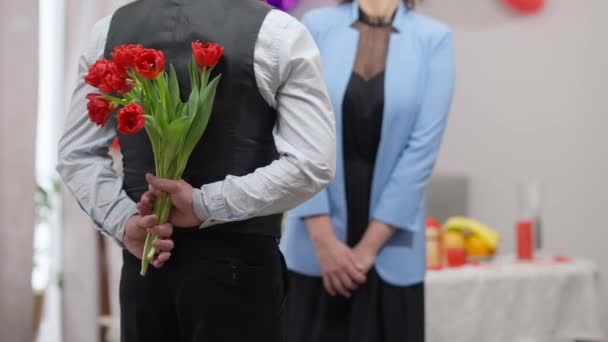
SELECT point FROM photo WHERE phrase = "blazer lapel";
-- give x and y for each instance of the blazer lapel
(342, 42)
(400, 89)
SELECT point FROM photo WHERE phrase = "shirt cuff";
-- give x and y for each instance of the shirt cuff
(210, 205)
(126, 209)
(198, 204)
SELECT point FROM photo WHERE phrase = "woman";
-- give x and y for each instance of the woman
(356, 251)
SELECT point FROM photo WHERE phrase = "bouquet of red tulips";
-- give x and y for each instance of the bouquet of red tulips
(135, 85)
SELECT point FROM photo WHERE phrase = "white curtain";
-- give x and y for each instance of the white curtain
(80, 254)
(18, 102)
(72, 306)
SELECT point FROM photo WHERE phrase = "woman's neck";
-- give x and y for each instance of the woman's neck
(379, 8)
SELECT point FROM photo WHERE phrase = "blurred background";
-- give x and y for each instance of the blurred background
(526, 134)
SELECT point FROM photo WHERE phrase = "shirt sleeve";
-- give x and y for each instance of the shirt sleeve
(288, 72)
(318, 204)
(83, 160)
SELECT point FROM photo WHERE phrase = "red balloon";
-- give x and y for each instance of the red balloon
(526, 6)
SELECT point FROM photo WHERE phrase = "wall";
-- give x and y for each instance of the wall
(18, 60)
(531, 103)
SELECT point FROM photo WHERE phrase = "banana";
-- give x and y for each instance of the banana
(467, 225)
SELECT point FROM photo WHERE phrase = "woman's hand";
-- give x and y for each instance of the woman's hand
(365, 256)
(376, 236)
(341, 272)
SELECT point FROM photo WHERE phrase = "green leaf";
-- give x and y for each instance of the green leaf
(155, 135)
(181, 109)
(162, 101)
(208, 101)
(206, 73)
(115, 100)
(174, 138)
(195, 77)
(153, 125)
(193, 103)
(191, 72)
(174, 92)
(200, 122)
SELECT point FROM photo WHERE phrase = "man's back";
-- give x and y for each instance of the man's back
(239, 138)
(269, 146)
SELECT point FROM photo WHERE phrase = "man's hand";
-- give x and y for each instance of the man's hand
(339, 266)
(182, 213)
(135, 237)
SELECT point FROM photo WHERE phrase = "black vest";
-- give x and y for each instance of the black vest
(239, 136)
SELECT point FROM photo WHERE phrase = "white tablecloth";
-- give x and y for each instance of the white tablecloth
(506, 301)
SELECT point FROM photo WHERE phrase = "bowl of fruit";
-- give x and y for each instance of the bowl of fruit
(468, 239)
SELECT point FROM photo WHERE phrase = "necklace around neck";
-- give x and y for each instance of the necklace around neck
(376, 20)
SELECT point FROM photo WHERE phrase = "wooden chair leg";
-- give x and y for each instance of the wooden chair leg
(104, 287)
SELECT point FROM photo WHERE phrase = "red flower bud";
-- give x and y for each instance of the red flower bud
(131, 119)
(115, 144)
(124, 55)
(98, 72)
(207, 55)
(108, 77)
(149, 63)
(99, 108)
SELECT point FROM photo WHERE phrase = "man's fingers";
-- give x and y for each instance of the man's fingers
(157, 264)
(148, 199)
(153, 190)
(164, 257)
(143, 210)
(166, 185)
(163, 230)
(163, 245)
(159, 260)
(147, 221)
(145, 206)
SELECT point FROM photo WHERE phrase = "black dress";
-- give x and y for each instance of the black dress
(377, 311)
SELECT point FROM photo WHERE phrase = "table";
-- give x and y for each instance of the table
(507, 301)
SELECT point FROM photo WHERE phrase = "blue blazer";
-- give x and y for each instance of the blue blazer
(419, 82)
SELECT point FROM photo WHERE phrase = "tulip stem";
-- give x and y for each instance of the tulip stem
(162, 208)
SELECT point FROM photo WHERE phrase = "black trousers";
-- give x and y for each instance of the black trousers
(217, 287)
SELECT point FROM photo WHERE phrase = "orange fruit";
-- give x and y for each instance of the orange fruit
(476, 247)
(453, 240)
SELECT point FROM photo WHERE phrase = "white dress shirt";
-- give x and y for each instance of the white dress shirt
(288, 73)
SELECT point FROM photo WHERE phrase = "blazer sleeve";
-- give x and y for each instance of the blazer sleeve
(403, 195)
(318, 204)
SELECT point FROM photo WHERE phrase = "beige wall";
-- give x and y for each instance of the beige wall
(18, 87)
(531, 103)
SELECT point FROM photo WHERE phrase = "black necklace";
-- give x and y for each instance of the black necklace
(376, 21)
